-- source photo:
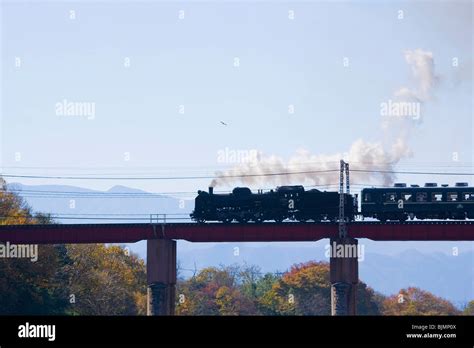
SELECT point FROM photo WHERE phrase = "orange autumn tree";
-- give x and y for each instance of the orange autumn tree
(106, 280)
(214, 291)
(414, 301)
(237, 290)
(68, 279)
(306, 290)
(28, 287)
(15, 211)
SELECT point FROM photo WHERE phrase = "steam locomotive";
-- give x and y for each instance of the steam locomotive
(294, 203)
(285, 202)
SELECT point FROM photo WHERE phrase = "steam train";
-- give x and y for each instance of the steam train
(398, 203)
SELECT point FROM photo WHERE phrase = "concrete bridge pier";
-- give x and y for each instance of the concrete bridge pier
(161, 276)
(344, 275)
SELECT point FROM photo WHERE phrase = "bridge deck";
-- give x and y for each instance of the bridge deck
(218, 232)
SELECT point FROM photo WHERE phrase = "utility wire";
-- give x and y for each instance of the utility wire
(228, 176)
(160, 195)
(409, 172)
(408, 163)
(160, 178)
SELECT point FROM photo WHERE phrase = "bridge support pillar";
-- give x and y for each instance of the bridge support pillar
(161, 276)
(344, 275)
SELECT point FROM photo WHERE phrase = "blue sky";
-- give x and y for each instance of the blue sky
(190, 62)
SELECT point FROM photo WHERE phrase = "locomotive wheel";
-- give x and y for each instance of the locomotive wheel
(258, 218)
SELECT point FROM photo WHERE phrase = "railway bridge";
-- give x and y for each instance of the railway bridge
(161, 246)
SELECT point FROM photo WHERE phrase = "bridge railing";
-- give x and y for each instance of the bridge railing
(157, 218)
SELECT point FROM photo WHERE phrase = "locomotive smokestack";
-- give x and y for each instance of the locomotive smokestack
(211, 190)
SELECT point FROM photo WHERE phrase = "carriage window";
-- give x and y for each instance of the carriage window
(468, 196)
(436, 197)
(452, 196)
(406, 197)
(391, 197)
(421, 196)
(367, 197)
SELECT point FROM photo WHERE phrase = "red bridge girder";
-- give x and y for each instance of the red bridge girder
(218, 232)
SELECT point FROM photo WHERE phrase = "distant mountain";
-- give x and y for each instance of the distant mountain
(78, 203)
(387, 266)
(448, 276)
(124, 189)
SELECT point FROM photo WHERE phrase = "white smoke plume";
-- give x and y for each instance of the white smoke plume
(379, 160)
(423, 70)
(307, 169)
(425, 80)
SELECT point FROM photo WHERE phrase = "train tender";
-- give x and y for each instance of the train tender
(429, 202)
(285, 202)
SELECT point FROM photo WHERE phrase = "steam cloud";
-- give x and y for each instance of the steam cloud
(362, 155)
(423, 73)
(422, 66)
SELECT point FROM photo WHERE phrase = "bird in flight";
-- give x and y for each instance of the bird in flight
(222, 122)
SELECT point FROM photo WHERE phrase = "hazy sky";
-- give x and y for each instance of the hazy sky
(161, 84)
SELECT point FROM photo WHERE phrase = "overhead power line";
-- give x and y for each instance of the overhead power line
(224, 166)
(409, 172)
(158, 195)
(229, 176)
(162, 177)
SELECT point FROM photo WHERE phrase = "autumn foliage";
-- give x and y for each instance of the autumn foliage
(95, 279)
(414, 301)
(304, 290)
(81, 279)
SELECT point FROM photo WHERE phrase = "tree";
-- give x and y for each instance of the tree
(263, 294)
(214, 291)
(28, 287)
(106, 280)
(469, 310)
(414, 301)
(14, 210)
(306, 290)
(68, 279)
(368, 301)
